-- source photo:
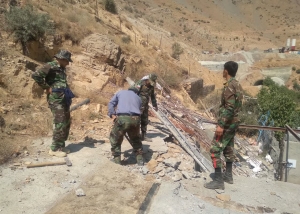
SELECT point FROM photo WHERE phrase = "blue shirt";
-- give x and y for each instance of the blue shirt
(124, 102)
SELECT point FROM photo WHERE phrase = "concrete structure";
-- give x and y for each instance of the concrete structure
(283, 73)
(288, 43)
(293, 44)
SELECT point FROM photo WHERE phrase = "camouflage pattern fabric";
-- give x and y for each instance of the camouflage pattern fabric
(231, 103)
(224, 144)
(145, 93)
(123, 125)
(52, 75)
(61, 119)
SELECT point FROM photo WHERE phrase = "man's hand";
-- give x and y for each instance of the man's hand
(48, 90)
(156, 108)
(219, 131)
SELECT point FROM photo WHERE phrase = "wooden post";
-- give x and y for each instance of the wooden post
(160, 42)
(147, 40)
(96, 10)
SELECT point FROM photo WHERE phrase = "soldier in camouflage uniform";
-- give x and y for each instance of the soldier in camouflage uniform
(228, 122)
(52, 77)
(146, 91)
(125, 110)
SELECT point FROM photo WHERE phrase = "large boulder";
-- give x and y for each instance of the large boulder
(195, 88)
(103, 50)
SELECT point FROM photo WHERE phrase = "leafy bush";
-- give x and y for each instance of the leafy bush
(126, 39)
(294, 68)
(298, 71)
(128, 8)
(110, 6)
(249, 115)
(296, 86)
(27, 25)
(176, 50)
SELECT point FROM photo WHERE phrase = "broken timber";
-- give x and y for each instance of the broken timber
(204, 164)
(184, 141)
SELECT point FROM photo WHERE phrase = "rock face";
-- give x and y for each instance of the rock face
(195, 88)
(103, 50)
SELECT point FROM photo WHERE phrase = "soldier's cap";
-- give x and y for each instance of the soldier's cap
(134, 89)
(152, 79)
(64, 54)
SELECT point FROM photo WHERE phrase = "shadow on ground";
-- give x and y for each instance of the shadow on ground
(130, 157)
(88, 142)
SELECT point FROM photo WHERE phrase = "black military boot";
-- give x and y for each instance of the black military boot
(218, 183)
(228, 173)
(117, 160)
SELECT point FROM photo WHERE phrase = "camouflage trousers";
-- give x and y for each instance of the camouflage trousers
(61, 121)
(144, 119)
(224, 144)
(123, 125)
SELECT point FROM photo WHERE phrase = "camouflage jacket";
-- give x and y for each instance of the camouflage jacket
(51, 75)
(231, 103)
(145, 92)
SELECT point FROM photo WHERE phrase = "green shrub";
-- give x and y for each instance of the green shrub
(128, 8)
(27, 25)
(126, 39)
(110, 6)
(176, 50)
(294, 68)
(298, 71)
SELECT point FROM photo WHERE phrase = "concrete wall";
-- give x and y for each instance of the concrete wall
(283, 73)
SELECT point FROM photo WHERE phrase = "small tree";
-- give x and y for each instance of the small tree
(27, 25)
(176, 50)
(110, 6)
(281, 104)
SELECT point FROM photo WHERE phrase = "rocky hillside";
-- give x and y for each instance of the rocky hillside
(135, 41)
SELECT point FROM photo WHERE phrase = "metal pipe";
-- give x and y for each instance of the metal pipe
(279, 129)
(287, 153)
(292, 132)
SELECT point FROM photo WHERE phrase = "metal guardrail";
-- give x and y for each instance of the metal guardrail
(288, 130)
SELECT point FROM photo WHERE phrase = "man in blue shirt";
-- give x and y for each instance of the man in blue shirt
(124, 109)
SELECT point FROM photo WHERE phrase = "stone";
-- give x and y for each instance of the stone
(149, 177)
(201, 206)
(162, 173)
(98, 108)
(173, 146)
(220, 191)
(172, 162)
(103, 50)
(152, 164)
(177, 176)
(17, 164)
(176, 151)
(159, 159)
(170, 169)
(154, 155)
(196, 174)
(186, 175)
(224, 197)
(158, 169)
(145, 170)
(79, 192)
